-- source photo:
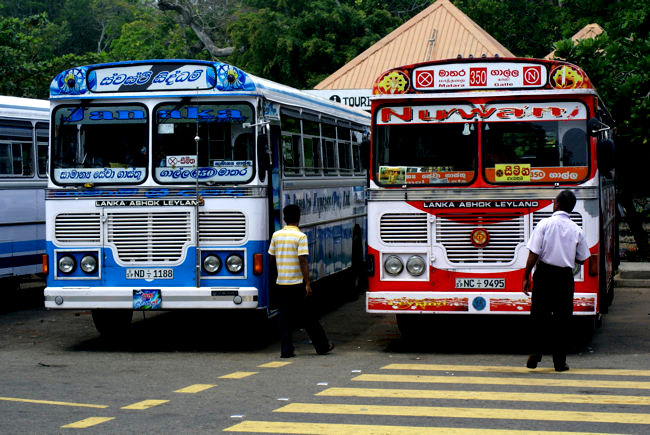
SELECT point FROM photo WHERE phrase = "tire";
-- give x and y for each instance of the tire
(413, 326)
(112, 323)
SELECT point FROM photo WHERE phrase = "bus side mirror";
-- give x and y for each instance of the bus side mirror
(263, 157)
(594, 126)
(606, 156)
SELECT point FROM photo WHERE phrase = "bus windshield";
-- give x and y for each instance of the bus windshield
(225, 146)
(99, 144)
(426, 154)
(549, 150)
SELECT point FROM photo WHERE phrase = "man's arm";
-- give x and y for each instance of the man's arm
(304, 268)
(530, 262)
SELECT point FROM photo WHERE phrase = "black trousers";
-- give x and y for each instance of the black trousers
(295, 312)
(551, 310)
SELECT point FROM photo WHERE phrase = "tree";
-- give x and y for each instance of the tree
(207, 18)
(618, 63)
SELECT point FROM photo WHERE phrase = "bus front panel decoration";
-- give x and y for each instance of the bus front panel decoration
(23, 180)
(466, 158)
(168, 178)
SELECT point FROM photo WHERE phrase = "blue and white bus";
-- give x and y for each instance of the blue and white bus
(23, 180)
(167, 179)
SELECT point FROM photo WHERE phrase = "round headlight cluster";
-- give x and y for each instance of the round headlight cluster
(67, 264)
(415, 265)
(88, 264)
(212, 263)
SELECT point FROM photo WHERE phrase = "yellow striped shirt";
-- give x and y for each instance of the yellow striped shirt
(286, 245)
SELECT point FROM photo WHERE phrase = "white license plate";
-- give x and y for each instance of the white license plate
(476, 283)
(159, 273)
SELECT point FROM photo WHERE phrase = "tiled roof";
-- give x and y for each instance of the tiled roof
(440, 31)
(589, 31)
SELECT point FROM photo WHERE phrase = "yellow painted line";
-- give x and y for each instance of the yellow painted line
(506, 369)
(87, 422)
(237, 375)
(274, 364)
(475, 413)
(363, 429)
(556, 382)
(52, 402)
(606, 399)
(145, 404)
(196, 388)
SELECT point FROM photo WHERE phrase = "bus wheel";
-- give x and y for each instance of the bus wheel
(112, 323)
(584, 328)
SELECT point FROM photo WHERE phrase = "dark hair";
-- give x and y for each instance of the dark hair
(291, 214)
(566, 200)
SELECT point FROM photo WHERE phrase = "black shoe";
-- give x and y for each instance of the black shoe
(287, 355)
(329, 349)
(532, 361)
(563, 368)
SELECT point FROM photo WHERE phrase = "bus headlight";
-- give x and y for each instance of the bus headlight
(393, 265)
(234, 263)
(66, 264)
(88, 264)
(211, 264)
(415, 265)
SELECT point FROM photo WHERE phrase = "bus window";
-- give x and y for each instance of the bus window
(357, 163)
(41, 148)
(226, 148)
(291, 154)
(330, 158)
(311, 143)
(540, 145)
(108, 142)
(426, 154)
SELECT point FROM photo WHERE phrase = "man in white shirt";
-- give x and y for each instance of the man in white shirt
(556, 245)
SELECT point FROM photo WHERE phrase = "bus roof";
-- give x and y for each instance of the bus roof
(184, 78)
(24, 107)
(482, 74)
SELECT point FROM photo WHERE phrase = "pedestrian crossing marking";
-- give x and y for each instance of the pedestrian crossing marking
(544, 382)
(474, 413)
(87, 422)
(252, 426)
(52, 402)
(510, 369)
(237, 375)
(145, 404)
(394, 393)
(196, 388)
(274, 364)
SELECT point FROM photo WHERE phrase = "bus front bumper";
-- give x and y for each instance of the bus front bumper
(171, 298)
(404, 302)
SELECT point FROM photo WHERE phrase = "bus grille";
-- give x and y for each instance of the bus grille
(77, 228)
(539, 215)
(150, 237)
(454, 231)
(222, 226)
(403, 228)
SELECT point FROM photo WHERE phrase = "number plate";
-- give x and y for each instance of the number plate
(475, 283)
(150, 273)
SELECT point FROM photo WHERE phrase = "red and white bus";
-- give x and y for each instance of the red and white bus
(467, 156)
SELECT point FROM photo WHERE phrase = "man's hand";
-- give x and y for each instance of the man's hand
(526, 285)
(308, 292)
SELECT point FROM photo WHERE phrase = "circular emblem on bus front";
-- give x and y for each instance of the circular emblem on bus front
(480, 237)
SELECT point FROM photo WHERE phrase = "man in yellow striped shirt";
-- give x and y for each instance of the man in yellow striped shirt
(289, 253)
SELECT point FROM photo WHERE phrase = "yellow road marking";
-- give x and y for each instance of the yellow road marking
(196, 388)
(363, 429)
(52, 402)
(274, 364)
(605, 399)
(145, 404)
(505, 369)
(556, 382)
(237, 375)
(477, 413)
(87, 422)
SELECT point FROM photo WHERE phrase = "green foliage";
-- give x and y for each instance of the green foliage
(308, 40)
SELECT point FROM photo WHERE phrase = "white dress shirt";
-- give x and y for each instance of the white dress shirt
(559, 241)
